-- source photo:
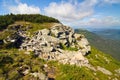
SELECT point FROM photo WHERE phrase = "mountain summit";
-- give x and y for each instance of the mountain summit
(51, 51)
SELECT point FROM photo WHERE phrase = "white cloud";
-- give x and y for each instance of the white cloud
(74, 13)
(23, 8)
(72, 10)
(107, 21)
(111, 1)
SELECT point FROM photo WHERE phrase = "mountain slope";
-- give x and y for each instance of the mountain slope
(113, 34)
(19, 65)
(46, 51)
(106, 45)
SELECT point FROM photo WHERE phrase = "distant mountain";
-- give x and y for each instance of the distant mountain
(106, 45)
(113, 34)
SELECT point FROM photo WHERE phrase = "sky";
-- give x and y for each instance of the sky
(74, 13)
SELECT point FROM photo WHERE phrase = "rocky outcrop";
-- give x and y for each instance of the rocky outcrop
(13, 36)
(72, 57)
(14, 39)
(58, 43)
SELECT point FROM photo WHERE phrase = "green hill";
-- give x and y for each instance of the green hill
(113, 34)
(6, 20)
(10, 24)
(106, 45)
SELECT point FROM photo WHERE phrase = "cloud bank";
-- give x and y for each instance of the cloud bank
(23, 8)
(93, 22)
(72, 10)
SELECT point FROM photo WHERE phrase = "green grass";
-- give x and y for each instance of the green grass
(72, 72)
(64, 47)
(5, 33)
(12, 59)
(30, 27)
(33, 27)
(105, 45)
(98, 58)
(37, 26)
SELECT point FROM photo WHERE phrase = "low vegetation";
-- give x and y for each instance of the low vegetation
(6, 20)
(64, 47)
(105, 45)
(12, 61)
(98, 58)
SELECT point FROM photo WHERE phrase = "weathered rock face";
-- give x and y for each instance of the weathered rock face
(49, 44)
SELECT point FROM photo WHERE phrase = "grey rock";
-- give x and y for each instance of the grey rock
(46, 44)
(41, 76)
(103, 70)
(117, 71)
(26, 72)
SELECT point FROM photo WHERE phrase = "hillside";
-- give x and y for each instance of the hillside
(106, 45)
(113, 34)
(6, 20)
(14, 64)
(51, 51)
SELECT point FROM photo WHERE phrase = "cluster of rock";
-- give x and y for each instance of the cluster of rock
(59, 43)
(48, 75)
(17, 33)
(52, 44)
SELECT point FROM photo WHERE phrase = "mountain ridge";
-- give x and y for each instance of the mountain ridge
(108, 33)
(45, 51)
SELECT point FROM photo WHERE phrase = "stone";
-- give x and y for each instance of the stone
(45, 31)
(103, 70)
(42, 76)
(78, 56)
(76, 36)
(48, 44)
(27, 52)
(26, 71)
(45, 65)
(117, 71)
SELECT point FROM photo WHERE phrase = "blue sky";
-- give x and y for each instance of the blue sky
(75, 13)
